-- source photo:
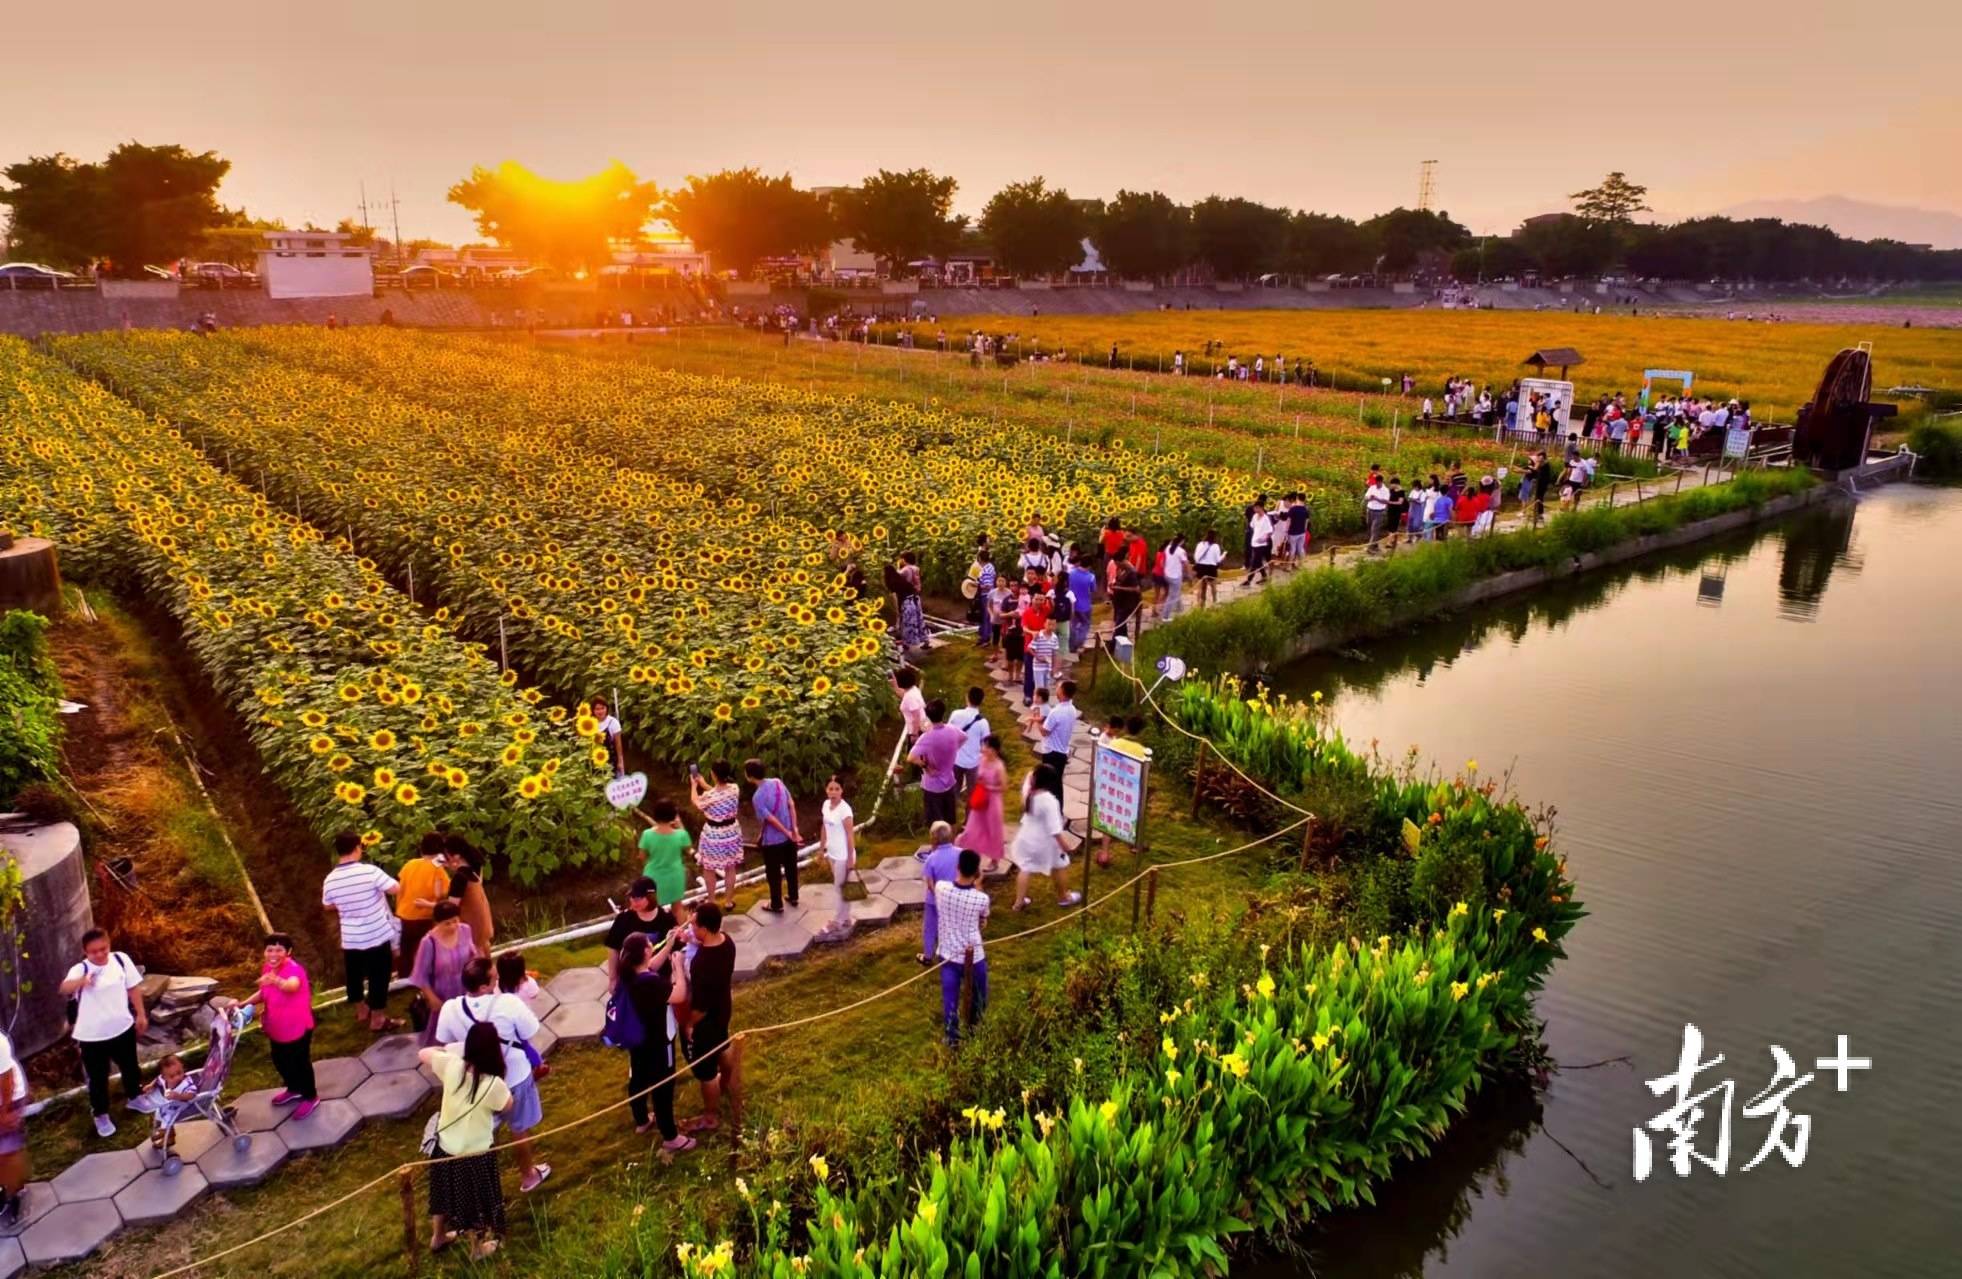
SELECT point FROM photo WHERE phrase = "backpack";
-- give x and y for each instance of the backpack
(623, 1028)
(74, 1006)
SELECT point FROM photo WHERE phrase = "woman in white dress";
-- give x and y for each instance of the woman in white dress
(841, 849)
(1039, 848)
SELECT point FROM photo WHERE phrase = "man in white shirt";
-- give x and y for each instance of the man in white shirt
(973, 728)
(1376, 509)
(108, 1016)
(962, 908)
(482, 1001)
(1260, 539)
(358, 892)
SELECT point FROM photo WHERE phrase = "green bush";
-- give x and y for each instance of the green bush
(30, 730)
(1939, 442)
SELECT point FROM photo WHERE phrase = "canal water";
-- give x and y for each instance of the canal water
(1755, 749)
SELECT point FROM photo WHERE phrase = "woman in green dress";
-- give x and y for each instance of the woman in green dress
(663, 846)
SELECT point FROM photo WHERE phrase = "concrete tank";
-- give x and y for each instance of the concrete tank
(54, 914)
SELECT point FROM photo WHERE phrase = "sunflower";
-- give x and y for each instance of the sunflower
(820, 686)
(599, 757)
(370, 838)
(382, 740)
(384, 778)
(313, 719)
(339, 764)
(469, 728)
(321, 744)
(511, 755)
(406, 795)
(509, 679)
(457, 778)
(530, 786)
(351, 792)
(723, 712)
(350, 693)
(586, 726)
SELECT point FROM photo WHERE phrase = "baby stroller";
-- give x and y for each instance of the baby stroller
(208, 1101)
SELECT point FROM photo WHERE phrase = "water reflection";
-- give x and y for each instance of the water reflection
(1814, 548)
(1764, 834)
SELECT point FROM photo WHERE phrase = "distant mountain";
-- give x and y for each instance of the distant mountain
(1861, 219)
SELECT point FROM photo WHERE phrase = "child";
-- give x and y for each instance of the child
(1041, 658)
(513, 978)
(168, 1094)
(1012, 639)
(1001, 601)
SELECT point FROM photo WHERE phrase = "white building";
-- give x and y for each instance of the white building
(315, 264)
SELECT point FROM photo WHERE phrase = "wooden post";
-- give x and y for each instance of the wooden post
(1151, 893)
(1137, 900)
(411, 1244)
(1096, 657)
(1307, 837)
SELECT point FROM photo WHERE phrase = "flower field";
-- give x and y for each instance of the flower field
(627, 528)
(369, 715)
(1277, 438)
(1775, 366)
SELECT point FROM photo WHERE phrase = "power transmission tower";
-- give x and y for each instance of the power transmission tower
(1426, 185)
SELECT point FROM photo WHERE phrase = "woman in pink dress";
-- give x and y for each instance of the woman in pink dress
(984, 830)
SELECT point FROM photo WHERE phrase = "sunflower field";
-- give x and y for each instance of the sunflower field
(371, 716)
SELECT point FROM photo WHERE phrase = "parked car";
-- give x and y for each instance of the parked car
(160, 273)
(424, 276)
(32, 275)
(223, 275)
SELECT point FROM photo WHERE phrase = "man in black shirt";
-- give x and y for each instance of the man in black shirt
(716, 1063)
(644, 914)
(1398, 516)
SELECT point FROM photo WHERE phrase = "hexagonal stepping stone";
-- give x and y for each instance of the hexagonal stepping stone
(394, 1095)
(391, 1052)
(749, 962)
(37, 1200)
(542, 1003)
(71, 1232)
(579, 985)
(874, 877)
(254, 1111)
(906, 892)
(193, 1138)
(545, 1040)
(875, 909)
(896, 869)
(814, 921)
(819, 899)
(741, 928)
(12, 1259)
(97, 1176)
(778, 941)
(339, 1076)
(582, 1020)
(330, 1124)
(154, 1197)
(226, 1167)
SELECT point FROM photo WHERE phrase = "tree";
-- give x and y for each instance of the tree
(1238, 238)
(140, 205)
(1494, 257)
(900, 217)
(358, 236)
(1564, 244)
(1402, 235)
(1035, 231)
(1143, 235)
(1323, 244)
(739, 217)
(1616, 201)
(570, 225)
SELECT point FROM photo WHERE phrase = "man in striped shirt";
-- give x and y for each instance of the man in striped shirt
(961, 907)
(358, 890)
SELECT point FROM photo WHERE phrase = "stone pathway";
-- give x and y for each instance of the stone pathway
(70, 1215)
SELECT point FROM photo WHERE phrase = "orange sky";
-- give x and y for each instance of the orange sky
(1308, 104)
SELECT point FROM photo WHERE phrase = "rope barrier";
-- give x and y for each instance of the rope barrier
(398, 1170)
(1198, 737)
